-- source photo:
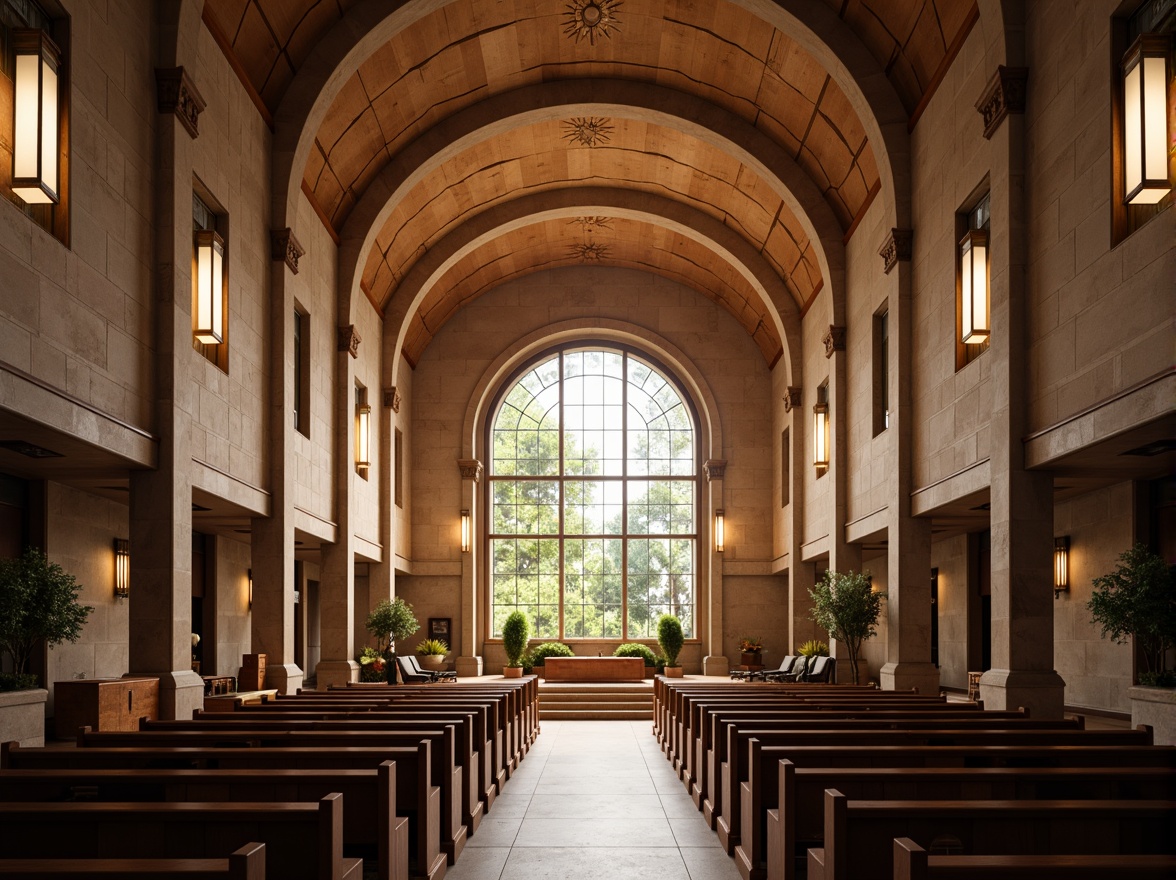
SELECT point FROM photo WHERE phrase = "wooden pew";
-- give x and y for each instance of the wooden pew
(416, 796)
(445, 773)
(303, 840)
(794, 808)
(912, 862)
(371, 827)
(859, 835)
(247, 863)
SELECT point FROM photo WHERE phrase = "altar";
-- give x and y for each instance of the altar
(594, 669)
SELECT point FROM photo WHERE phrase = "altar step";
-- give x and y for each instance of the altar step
(595, 702)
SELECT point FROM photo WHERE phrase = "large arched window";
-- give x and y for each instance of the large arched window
(593, 498)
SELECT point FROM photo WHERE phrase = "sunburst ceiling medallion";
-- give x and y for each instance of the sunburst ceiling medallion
(588, 252)
(591, 224)
(588, 131)
(591, 19)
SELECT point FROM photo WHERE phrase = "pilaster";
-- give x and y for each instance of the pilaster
(714, 662)
(469, 660)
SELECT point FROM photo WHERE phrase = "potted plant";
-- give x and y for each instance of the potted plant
(670, 640)
(371, 665)
(431, 653)
(38, 603)
(515, 632)
(751, 651)
(636, 649)
(389, 621)
(535, 657)
(846, 607)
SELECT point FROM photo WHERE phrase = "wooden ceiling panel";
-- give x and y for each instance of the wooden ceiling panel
(926, 46)
(255, 33)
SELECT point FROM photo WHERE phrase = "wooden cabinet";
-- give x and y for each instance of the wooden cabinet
(103, 704)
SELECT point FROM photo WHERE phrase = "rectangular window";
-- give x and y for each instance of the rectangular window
(207, 217)
(301, 372)
(785, 468)
(972, 283)
(398, 455)
(881, 371)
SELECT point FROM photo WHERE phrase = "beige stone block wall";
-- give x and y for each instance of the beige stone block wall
(1097, 672)
(950, 556)
(430, 597)
(80, 319)
(818, 490)
(756, 606)
(401, 552)
(1101, 317)
(874, 649)
(80, 534)
(366, 502)
(232, 561)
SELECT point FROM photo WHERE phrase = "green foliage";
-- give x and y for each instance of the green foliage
(634, 649)
(10, 681)
(515, 632)
(813, 648)
(371, 665)
(432, 648)
(1138, 599)
(670, 638)
(38, 603)
(845, 606)
(389, 622)
(549, 649)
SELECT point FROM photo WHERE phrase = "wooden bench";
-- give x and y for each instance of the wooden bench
(416, 796)
(303, 840)
(247, 863)
(791, 813)
(912, 862)
(859, 835)
(372, 830)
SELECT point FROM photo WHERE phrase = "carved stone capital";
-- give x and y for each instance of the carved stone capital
(791, 398)
(349, 340)
(714, 469)
(834, 340)
(176, 93)
(471, 469)
(896, 247)
(1004, 94)
(284, 246)
(392, 399)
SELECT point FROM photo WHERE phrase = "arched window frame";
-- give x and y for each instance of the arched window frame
(697, 574)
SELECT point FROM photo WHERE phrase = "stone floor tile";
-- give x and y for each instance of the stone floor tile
(586, 864)
(600, 832)
(706, 863)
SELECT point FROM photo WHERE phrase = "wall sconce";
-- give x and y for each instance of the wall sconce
(465, 531)
(1145, 120)
(122, 568)
(1061, 565)
(35, 154)
(720, 531)
(210, 273)
(363, 423)
(821, 435)
(250, 576)
(974, 287)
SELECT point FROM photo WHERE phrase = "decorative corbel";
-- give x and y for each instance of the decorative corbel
(896, 247)
(284, 246)
(349, 340)
(176, 93)
(834, 340)
(791, 398)
(1004, 94)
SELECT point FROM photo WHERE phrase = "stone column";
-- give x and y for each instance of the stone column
(714, 662)
(801, 575)
(382, 574)
(337, 586)
(908, 559)
(1021, 500)
(160, 614)
(469, 661)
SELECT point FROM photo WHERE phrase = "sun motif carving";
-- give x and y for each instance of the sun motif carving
(588, 252)
(591, 224)
(588, 131)
(591, 19)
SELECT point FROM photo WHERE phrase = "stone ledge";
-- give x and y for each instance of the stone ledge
(22, 716)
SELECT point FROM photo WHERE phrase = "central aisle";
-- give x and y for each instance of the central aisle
(594, 800)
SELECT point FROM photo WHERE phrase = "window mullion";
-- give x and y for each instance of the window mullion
(562, 497)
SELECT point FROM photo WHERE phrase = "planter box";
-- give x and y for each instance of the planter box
(1157, 707)
(22, 716)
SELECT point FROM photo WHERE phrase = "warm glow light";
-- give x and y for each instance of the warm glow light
(465, 531)
(1145, 120)
(720, 531)
(122, 568)
(1061, 565)
(363, 421)
(35, 128)
(974, 287)
(209, 320)
(250, 589)
(821, 435)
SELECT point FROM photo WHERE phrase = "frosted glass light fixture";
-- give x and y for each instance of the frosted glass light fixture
(1061, 565)
(1145, 120)
(35, 153)
(465, 531)
(363, 423)
(821, 435)
(720, 531)
(122, 568)
(974, 287)
(209, 316)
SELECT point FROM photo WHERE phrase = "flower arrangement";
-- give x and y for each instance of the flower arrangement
(371, 665)
(750, 644)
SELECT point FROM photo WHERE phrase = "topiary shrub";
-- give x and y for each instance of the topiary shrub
(634, 649)
(549, 649)
(515, 632)
(670, 638)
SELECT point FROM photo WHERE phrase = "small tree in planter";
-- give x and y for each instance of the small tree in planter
(515, 632)
(388, 622)
(670, 639)
(847, 608)
(1139, 599)
(38, 603)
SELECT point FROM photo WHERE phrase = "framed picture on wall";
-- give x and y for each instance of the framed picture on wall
(439, 629)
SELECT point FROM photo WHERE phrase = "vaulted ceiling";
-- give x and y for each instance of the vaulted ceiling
(699, 108)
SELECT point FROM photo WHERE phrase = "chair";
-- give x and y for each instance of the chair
(429, 675)
(818, 669)
(787, 671)
(759, 674)
(408, 674)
